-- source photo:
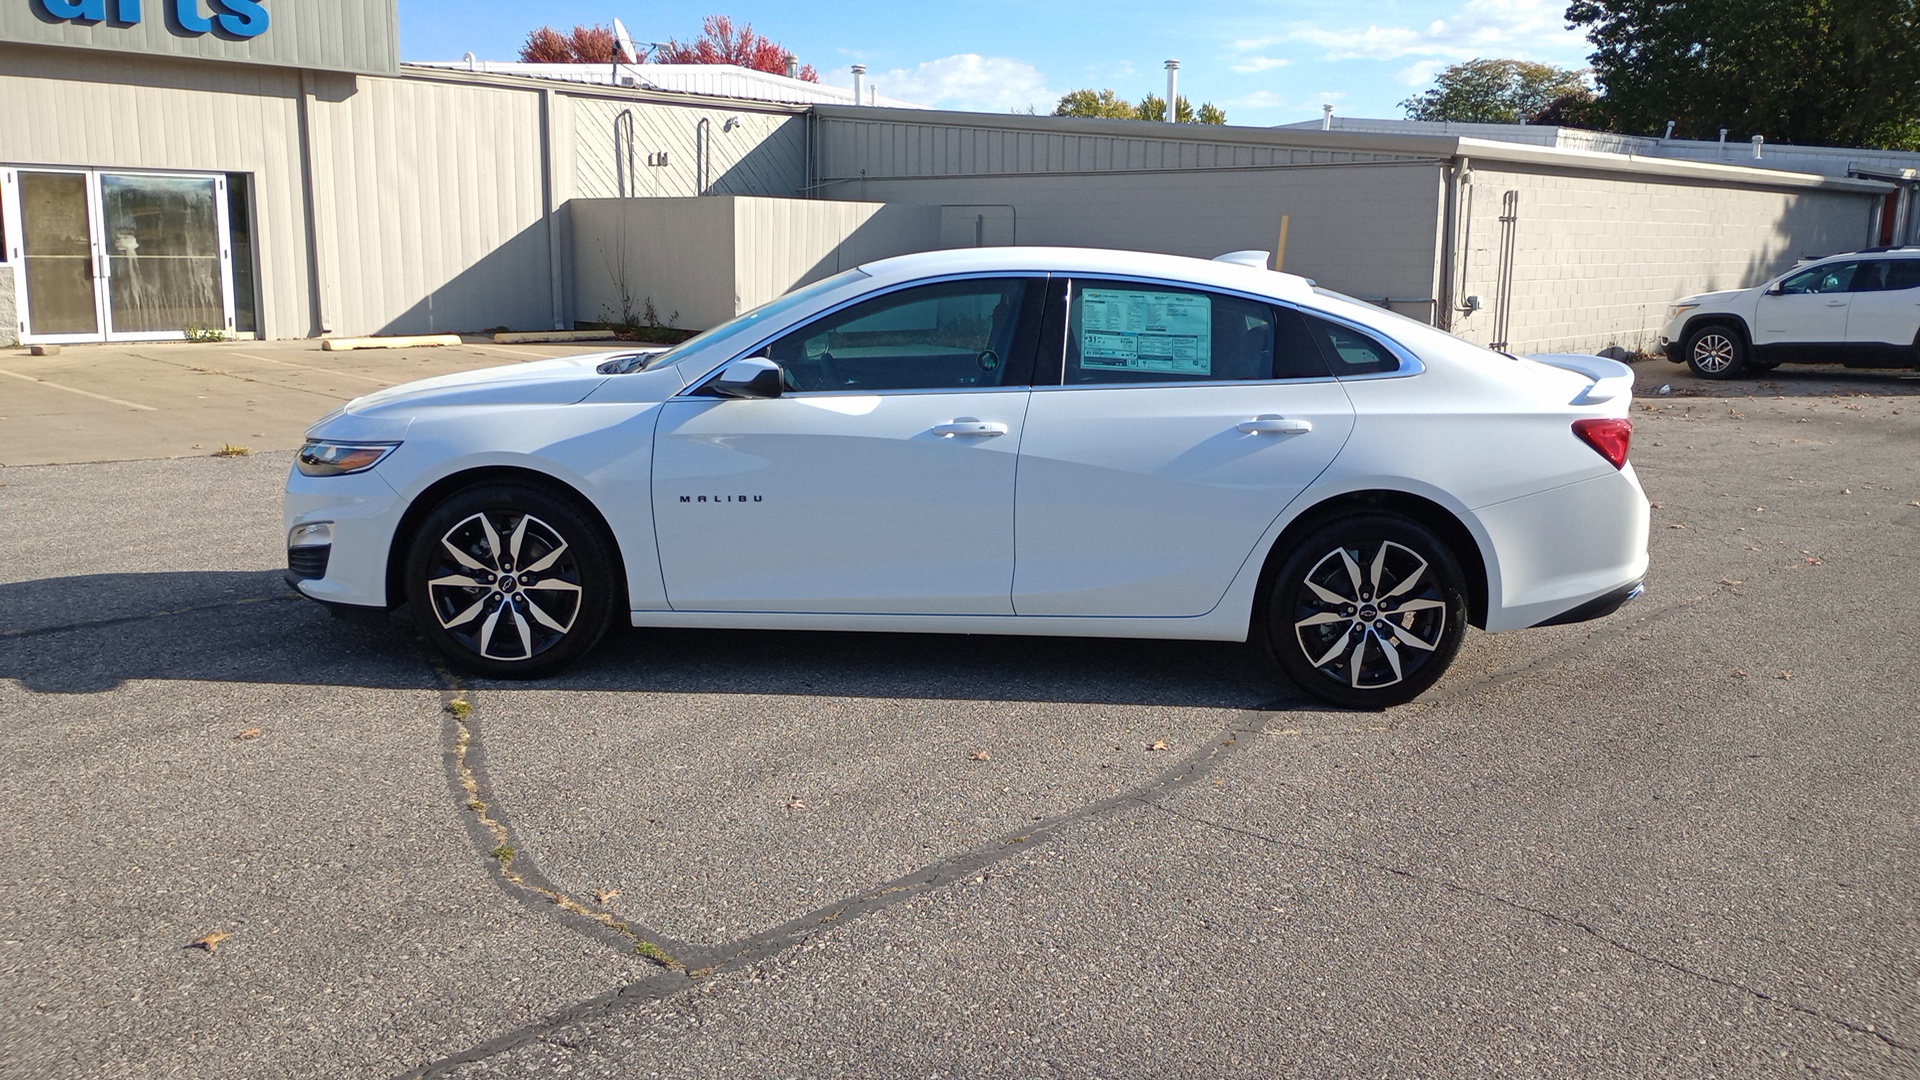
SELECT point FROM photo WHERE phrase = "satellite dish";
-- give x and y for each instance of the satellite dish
(625, 43)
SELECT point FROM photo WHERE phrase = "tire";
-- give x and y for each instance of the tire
(1335, 576)
(1716, 351)
(466, 581)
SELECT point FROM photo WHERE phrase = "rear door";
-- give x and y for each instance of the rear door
(881, 482)
(1178, 425)
(1884, 314)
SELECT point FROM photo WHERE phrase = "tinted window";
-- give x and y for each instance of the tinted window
(1129, 332)
(1351, 352)
(950, 335)
(1825, 278)
(1903, 274)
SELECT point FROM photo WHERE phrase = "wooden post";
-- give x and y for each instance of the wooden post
(1280, 252)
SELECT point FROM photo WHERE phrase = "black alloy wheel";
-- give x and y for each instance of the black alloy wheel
(510, 582)
(1367, 611)
(1716, 351)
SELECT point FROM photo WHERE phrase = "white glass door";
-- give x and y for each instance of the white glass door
(118, 256)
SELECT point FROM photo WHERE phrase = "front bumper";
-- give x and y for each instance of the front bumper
(365, 511)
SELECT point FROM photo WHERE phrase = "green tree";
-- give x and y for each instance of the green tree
(1818, 72)
(1495, 92)
(1105, 104)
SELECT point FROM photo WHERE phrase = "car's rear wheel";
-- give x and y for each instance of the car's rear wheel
(1367, 611)
(511, 582)
(1716, 352)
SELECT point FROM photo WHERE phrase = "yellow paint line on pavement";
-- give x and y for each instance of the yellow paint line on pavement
(77, 390)
(323, 371)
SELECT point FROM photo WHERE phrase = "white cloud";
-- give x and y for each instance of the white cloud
(1419, 73)
(1517, 29)
(971, 82)
(1254, 64)
(1259, 99)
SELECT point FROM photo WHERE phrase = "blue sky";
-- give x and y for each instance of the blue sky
(1263, 61)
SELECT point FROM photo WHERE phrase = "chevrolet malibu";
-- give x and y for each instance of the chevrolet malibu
(1004, 441)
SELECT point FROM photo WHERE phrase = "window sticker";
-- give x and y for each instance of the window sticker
(1129, 330)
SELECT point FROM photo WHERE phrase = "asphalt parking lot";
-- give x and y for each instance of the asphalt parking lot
(1677, 842)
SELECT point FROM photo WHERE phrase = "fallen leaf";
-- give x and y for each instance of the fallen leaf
(1159, 744)
(1657, 506)
(250, 733)
(209, 942)
(1676, 525)
(1759, 509)
(796, 803)
(1784, 674)
(1814, 560)
(604, 896)
(979, 755)
(1738, 674)
(1730, 582)
(1846, 491)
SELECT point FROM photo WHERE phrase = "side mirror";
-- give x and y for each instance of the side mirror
(1775, 291)
(749, 377)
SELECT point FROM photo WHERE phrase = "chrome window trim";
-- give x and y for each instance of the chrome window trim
(1317, 379)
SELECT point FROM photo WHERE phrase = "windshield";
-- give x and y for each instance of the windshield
(768, 311)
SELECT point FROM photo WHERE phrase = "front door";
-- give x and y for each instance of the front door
(1806, 309)
(881, 482)
(118, 256)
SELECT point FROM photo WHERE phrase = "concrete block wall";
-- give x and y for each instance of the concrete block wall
(1597, 260)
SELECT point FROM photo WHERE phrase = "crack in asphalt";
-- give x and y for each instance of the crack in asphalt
(1552, 916)
(122, 620)
(696, 964)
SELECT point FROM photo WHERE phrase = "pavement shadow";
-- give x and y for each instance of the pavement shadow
(91, 633)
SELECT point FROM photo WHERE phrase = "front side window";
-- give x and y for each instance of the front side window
(1121, 332)
(948, 335)
(1825, 278)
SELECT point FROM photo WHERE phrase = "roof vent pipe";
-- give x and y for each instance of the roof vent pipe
(1326, 118)
(1173, 91)
(1757, 141)
(859, 77)
(1723, 135)
(793, 66)
(1669, 133)
(473, 62)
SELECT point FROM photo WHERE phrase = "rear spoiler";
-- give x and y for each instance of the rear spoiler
(1611, 378)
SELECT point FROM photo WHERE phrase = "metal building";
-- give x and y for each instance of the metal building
(275, 170)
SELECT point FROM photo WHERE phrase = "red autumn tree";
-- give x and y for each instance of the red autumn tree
(585, 45)
(720, 42)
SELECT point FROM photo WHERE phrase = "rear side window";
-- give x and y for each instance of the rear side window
(1351, 352)
(1121, 332)
(1903, 274)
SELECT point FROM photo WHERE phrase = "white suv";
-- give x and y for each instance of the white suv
(1860, 309)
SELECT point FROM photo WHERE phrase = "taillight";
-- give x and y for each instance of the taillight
(1608, 436)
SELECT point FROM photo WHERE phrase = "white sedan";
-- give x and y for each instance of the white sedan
(1003, 441)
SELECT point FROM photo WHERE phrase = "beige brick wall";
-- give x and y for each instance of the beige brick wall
(1597, 260)
(9, 318)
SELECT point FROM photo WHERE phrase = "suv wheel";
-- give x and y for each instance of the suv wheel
(1716, 352)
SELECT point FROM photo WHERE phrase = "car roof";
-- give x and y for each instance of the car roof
(1102, 261)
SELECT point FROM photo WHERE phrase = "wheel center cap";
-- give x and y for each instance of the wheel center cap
(508, 584)
(1369, 613)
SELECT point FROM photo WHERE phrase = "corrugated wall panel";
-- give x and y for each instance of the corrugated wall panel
(141, 113)
(339, 35)
(764, 154)
(432, 204)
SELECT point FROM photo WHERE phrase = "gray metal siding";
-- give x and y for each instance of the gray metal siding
(893, 148)
(335, 35)
(614, 141)
(140, 113)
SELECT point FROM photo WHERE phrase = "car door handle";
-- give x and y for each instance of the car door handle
(1836, 303)
(1274, 425)
(967, 425)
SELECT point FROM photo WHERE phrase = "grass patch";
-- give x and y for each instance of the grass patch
(231, 450)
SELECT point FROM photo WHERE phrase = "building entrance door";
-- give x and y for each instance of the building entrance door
(117, 256)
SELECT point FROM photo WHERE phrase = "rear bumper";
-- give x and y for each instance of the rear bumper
(1600, 606)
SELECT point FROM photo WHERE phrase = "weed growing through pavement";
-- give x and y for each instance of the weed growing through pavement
(231, 450)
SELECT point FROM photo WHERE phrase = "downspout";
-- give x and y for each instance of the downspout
(549, 211)
(1459, 175)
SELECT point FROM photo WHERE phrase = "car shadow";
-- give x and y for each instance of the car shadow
(92, 633)
(1788, 380)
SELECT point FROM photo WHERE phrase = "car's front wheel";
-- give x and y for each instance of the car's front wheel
(1716, 352)
(508, 581)
(1367, 611)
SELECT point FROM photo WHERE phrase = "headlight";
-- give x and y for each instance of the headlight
(1678, 310)
(322, 458)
